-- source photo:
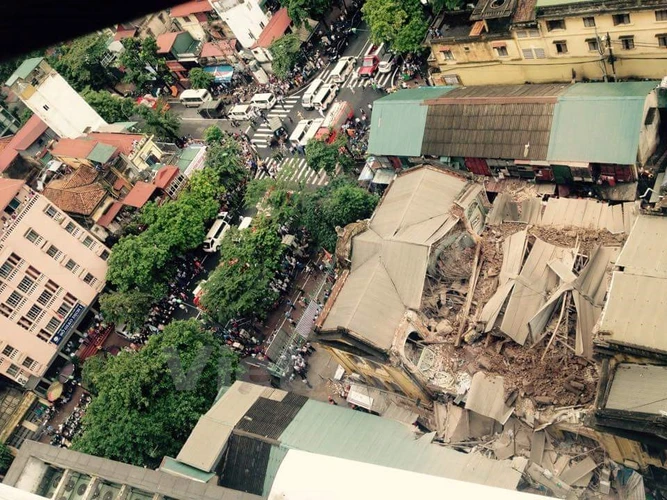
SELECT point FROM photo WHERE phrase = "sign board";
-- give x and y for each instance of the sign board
(67, 325)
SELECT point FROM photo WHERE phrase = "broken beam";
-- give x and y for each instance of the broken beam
(553, 335)
(471, 291)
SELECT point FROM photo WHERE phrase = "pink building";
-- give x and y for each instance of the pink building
(51, 271)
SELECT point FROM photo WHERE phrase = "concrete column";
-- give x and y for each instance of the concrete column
(124, 492)
(92, 486)
(60, 490)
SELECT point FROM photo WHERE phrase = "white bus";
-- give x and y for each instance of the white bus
(193, 98)
(216, 233)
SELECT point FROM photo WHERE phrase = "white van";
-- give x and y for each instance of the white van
(216, 233)
(300, 132)
(263, 101)
(311, 91)
(240, 112)
(343, 68)
(325, 96)
(192, 98)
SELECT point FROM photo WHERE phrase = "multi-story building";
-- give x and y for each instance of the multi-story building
(193, 17)
(246, 19)
(51, 271)
(50, 97)
(542, 41)
(9, 124)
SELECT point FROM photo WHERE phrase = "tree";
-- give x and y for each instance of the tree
(6, 458)
(130, 307)
(179, 224)
(338, 204)
(300, 10)
(256, 189)
(142, 64)
(399, 23)
(80, 62)
(139, 263)
(200, 79)
(149, 401)
(213, 135)
(225, 160)
(285, 52)
(110, 107)
(329, 157)
(25, 115)
(448, 5)
(163, 124)
(93, 369)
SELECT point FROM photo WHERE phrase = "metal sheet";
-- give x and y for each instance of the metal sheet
(487, 397)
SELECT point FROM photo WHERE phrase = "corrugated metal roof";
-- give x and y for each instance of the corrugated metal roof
(638, 388)
(101, 153)
(339, 432)
(245, 464)
(269, 418)
(587, 213)
(599, 122)
(24, 70)
(645, 251)
(398, 120)
(551, 3)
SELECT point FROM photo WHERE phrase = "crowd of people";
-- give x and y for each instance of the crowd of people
(63, 434)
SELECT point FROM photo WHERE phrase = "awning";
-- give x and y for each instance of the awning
(366, 174)
(357, 397)
(222, 73)
(384, 176)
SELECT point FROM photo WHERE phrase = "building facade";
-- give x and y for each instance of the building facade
(544, 41)
(245, 19)
(51, 271)
(9, 124)
(50, 97)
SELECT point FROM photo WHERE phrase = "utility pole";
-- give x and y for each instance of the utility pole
(601, 51)
(612, 60)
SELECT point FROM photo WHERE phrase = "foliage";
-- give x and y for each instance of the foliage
(256, 189)
(213, 135)
(142, 64)
(447, 5)
(149, 401)
(338, 204)
(321, 155)
(285, 52)
(400, 23)
(110, 107)
(200, 79)
(161, 123)
(93, 369)
(80, 62)
(128, 307)
(6, 458)
(239, 287)
(300, 10)
(25, 115)
(225, 160)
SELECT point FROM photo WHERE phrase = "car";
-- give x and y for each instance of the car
(369, 66)
(386, 63)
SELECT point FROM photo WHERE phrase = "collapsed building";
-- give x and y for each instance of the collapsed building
(496, 318)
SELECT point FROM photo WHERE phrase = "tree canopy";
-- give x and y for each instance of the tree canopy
(321, 155)
(80, 62)
(6, 458)
(225, 160)
(300, 10)
(149, 401)
(285, 52)
(213, 135)
(142, 64)
(400, 23)
(129, 307)
(200, 79)
(160, 122)
(110, 107)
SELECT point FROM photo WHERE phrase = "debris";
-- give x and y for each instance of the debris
(553, 335)
(487, 397)
(537, 447)
(584, 481)
(474, 275)
(605, 483)
(471, 336)
(575, 472)
(544, 400)
(444, 327)
(545, 478)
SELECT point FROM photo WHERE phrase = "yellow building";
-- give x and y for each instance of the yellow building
(543, 41)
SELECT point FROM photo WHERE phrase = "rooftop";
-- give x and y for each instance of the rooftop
(274, 29)
(102, 153)
(29, 133)
(9, 188)
(123, 141)
(166, 41)
(194, 7)
(24, 70)
(165, 175)
(73, 148)
(76, 193)
(140, 195)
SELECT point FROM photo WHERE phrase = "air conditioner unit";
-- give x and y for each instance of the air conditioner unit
(22, 379)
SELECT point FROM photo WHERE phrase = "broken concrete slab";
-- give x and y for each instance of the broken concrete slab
(545, 478)
(584, 481)
(574, 472)
(537, 447)
(487, 397)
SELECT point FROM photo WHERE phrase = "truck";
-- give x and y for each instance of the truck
(339, 113)
(371, 61)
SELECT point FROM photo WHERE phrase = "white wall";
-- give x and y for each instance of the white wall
(243, 19)
(66, 112)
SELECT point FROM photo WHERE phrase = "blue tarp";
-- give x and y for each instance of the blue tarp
(222, 74)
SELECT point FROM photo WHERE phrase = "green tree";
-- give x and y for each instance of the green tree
(80, 62)
(256, 189)
(178, 224)
(400, 23)
(142, 64)
(149, 401)
(130, 307)
(213, 135)
(200, 79)
(93, 369)
(285, 52)
(25, 115)
(225, 160)
(6, 458)
(111, 107)
(300, 10)
(329, 157)
(447, 5)
(163, 124)
(338, 204)
(138, 262)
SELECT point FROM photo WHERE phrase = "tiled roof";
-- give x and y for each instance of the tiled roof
(165, 175)
(110, 214)
(73, 148)
(219, 48)
(124, 142)
(123, 33)
(8, 189)
(166, 41)
(524, 12)
(275, 28)
(194, 7)
(76, 193)
(5, 141)
(29, 133)
(140, 194)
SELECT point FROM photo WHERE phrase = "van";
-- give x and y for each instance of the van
(212, 109)
(216, 233)
(299, 132)
(263, 101)
(240, 112)
(311, 91)
(325, 96)
(343, 68)
(192, 98)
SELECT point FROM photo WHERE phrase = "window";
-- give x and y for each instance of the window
(556, 24)
(71, 228)
(69, 299)
(650, 116)
(70, 265)
(627, 42)
(9, 351)
(662, 39)
(51, 286)
(45, 297)
(54, 252)
(34, 313)
(89, 279)
(52, 212)
(501, 51)
(88, 242)
(13, 206)
(25, 285)
(13, 370)
(447, 55)
(25, 323)
(104, 255)
(64, 309)
(592, 44)
(620, 19)
(46, 107)
(33, 273)
(661, 15)
(528, 33)
(14, 300)
(589, 22)
(52, 325)
(44, 335)
(5, 310)
(29, 363)
(561, 46)
(7, 268)
(534, 53)
(33, 237)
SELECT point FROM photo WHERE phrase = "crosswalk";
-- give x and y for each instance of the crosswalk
(354, 81)
(295, 170)
(262, 135)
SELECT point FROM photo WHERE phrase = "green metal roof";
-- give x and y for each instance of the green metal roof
(101, 153)
(183, 43)
(398, 121)
(599, 122)
(186, 157)
(172, 465)
(24, 69)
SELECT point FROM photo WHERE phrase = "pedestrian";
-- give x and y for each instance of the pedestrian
(321, 112)
(332, 402)
(290, 119)
(370, 106)
(300, 115)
